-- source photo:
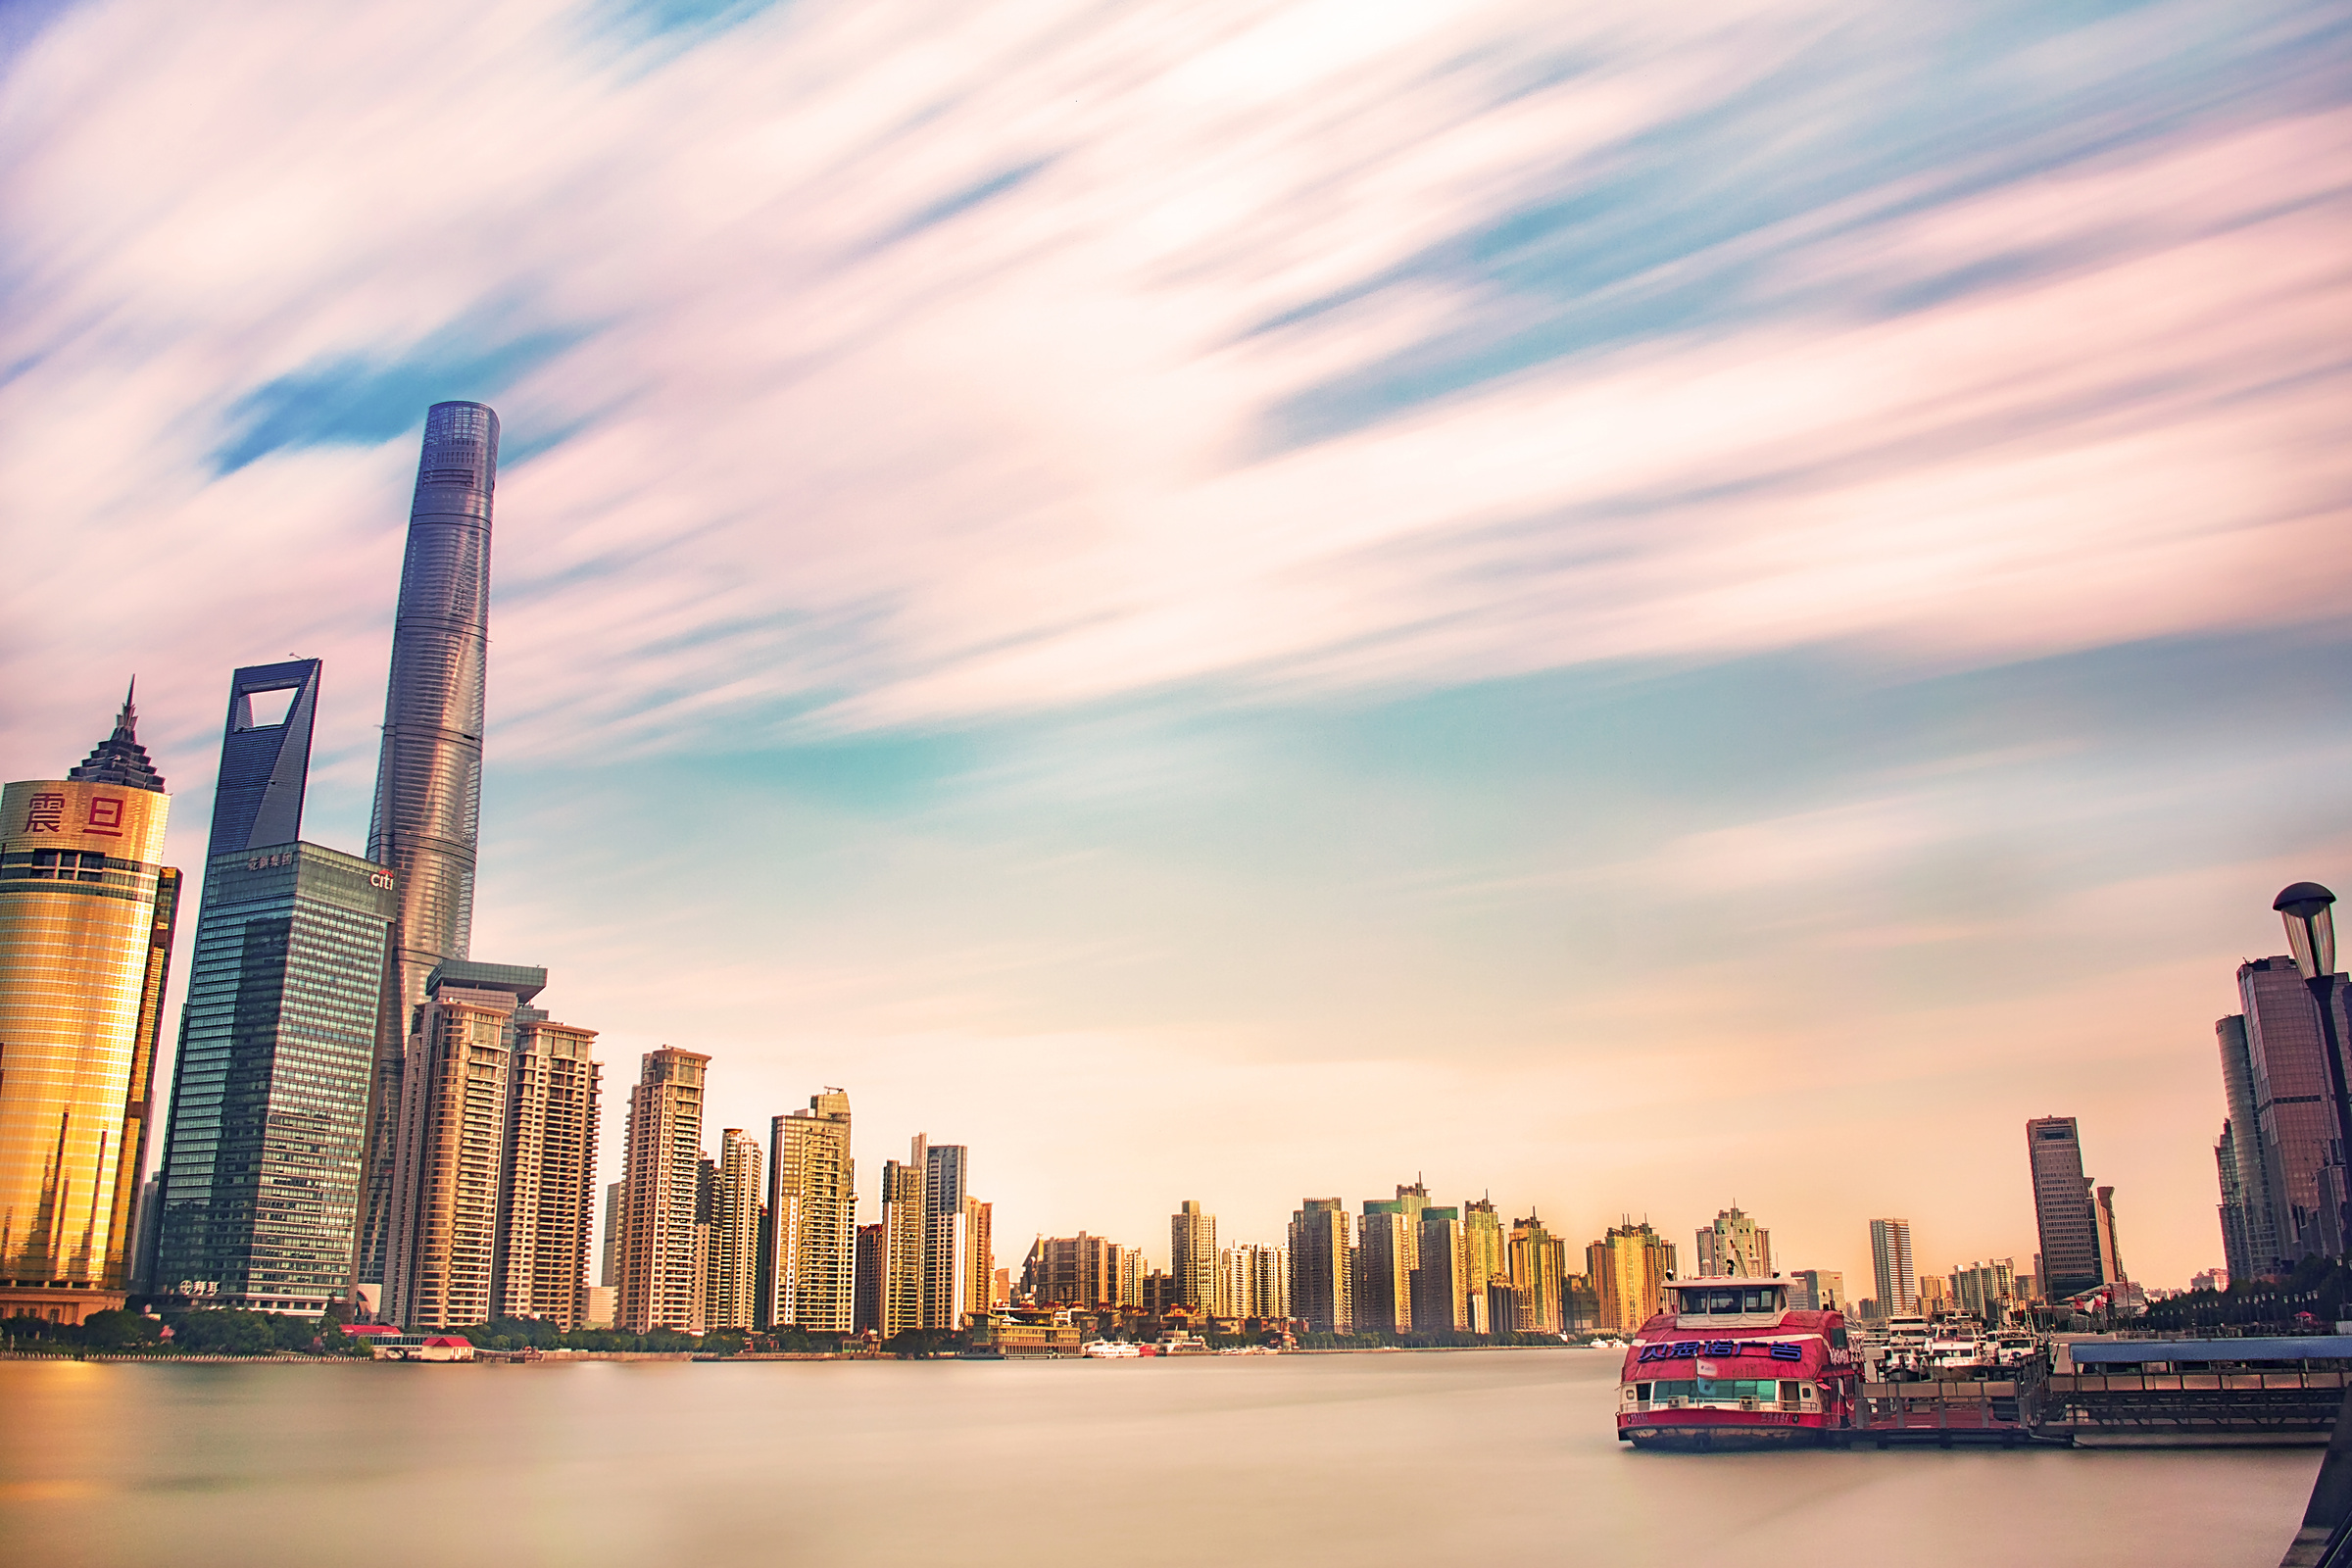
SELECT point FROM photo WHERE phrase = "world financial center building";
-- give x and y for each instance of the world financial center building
(260, 1183)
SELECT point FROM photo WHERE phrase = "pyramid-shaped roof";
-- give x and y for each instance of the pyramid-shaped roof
(119, 759)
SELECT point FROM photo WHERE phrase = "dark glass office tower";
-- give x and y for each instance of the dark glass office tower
(2063, 1213)
(429, 777)
(259, 1189)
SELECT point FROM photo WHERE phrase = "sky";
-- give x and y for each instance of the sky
(1631, 608)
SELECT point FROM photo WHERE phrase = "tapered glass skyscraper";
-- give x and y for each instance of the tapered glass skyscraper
(429, 777)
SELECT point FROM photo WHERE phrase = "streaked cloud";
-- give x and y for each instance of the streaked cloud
(955, 431)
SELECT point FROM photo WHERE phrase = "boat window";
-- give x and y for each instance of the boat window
(1838, 1337)
(1717, 1389)
(1764, 1299)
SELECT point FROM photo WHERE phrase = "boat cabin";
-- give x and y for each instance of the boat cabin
(1729, 1303)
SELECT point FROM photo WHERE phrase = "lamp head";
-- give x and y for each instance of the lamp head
(2307, 908)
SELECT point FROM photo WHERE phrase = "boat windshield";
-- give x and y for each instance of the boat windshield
(1717, 1389)
(1753, 1299)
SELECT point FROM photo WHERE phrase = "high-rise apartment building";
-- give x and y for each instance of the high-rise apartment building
(1539, 1260)
(900, 1248)
(1193, 1257)
(261, 1174)
(2062, 1208)
(1630, 1266)
(1890, 1267)
(1078, 1271)
(2292, 1109)
(812, 1218)
(661, 1287)
(1322, 1266)
(734, 1261)
(948, 1263)
(450, 1144)
(546, 1192)
(1388, 1241)
(1441, 1276)
(1985, 1291)
(1488, 1257)
(866, 1314)
(86, 915)
(429, 780)
(1735, 1247)
(1269, 1283)
(980, 1272)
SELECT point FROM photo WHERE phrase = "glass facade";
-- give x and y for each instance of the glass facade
(86, 930)
(261, 1171)
(429, 780)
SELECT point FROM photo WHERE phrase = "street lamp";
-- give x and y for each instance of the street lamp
(2311, 936)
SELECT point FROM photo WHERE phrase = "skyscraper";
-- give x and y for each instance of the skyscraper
(1322, 1266)
(1388, 1241)
(261, 1177)
(812, 1218)
(87, 912)
(2062, 1208)
(1890, 1265)
(947, 1235)
(1735, 1248)
(2250, 1238)
(661, 1287)
(450, 1144)
(1193, 1256)
(428, 778)
(546, 1192)
(898, 1248)
(979, 1278)
(2293, 1111)
(2111, 1254)
(609, 1267)
(1440, 1299)
(1630, 1266)
(1488, 1260)
(735, 1234)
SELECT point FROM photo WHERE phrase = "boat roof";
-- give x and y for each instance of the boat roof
(2295, 1347)
(1726, 1281)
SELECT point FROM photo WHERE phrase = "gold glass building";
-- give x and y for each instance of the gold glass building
(86, 909)
(812, 1218)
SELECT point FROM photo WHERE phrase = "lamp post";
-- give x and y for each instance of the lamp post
(2307, 908)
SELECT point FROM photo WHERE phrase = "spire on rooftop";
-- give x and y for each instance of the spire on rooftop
(119, 759)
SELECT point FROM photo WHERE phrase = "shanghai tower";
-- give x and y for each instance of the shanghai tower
(428, 779)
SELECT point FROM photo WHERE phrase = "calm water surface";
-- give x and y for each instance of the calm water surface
(1425, 1459)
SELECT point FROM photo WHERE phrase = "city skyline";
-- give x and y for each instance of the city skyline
(1267, 599)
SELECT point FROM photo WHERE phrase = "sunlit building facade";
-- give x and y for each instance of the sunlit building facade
(1890, 1267)
(1630, 1266)
(898, 1248)
(548, 1182)
(734, 1261)
(1322, 1266)
(812, 1218)
(660, 1280)
(1735, 1247)
(1193, 1257)
(451, 1145)
(87, 915)
(1539, 1261)
(2063, 1214)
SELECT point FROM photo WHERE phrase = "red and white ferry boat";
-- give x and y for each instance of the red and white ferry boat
(1728, 1366)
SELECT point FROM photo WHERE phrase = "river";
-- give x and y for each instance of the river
(1495, 1458)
